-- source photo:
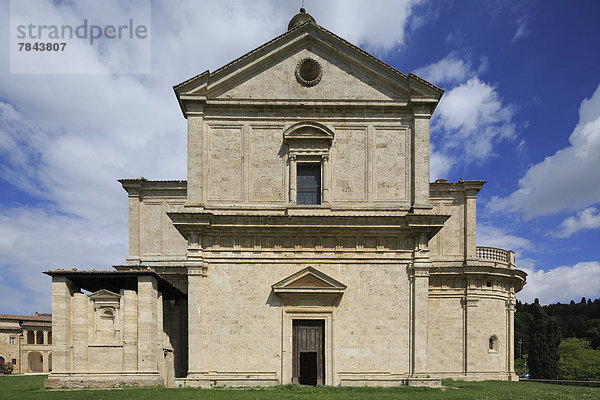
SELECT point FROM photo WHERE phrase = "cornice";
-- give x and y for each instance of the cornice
(189, 222)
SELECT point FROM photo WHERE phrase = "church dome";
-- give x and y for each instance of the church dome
(300, 19)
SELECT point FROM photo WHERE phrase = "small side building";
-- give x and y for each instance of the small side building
(26, 342)
(114, 328)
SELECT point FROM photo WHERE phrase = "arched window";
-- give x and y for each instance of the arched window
(493, 344)
(308, 145)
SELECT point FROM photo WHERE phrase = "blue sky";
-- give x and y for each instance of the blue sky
(521, 110)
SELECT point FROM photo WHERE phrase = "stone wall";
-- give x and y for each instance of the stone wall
(10, 351)
(243, 323)
(465, 313)
(456, 241)
(247, 163)
(152, 237)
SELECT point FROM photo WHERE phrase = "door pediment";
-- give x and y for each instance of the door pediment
(309, 281)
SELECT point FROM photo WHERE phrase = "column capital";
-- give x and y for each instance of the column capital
(419, 269)
(197, 270)
(510, 304)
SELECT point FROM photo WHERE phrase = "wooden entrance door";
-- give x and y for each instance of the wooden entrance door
(308, 361)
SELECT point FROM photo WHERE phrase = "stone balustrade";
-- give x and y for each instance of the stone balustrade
(496, 255)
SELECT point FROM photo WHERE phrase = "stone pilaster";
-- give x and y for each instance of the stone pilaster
(470, 224)
(80, 333)
(130, 332)
(61, 324)
(325, 178)
(470, 336)
(195, 170)
(24, 362)
(194, 320)
(22, 353)
(45, 359)
(160, 334)
(147, 324)
(510, 334)
(293, 178)
(420, 156)
(134, 226)
(419, 284)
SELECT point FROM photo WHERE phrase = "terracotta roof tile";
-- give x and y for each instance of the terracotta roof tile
(39, 317)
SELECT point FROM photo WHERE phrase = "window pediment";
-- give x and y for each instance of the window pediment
(309, 137)
(105, 298)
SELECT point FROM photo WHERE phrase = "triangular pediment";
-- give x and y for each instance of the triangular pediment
(105, 298)
(104, 294)
(309, 281)
(270, 73)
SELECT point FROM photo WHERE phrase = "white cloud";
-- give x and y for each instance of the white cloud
(492, 236)
(33, 240)
(562, 284)
(566, 180)
(379, 28)
(519, 12)
(471, 118)
(585, 220)
(66, 139)
(440, 164)
(448, 71)
(522, 26)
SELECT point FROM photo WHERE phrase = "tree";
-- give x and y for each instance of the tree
(593, 333)
(544, 339)
(553, 335)
(6, 368)
(522, 323)
(578, 361)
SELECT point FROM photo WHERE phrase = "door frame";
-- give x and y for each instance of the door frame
(288, 316)
(320, 361)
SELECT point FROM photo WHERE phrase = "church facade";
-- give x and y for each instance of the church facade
(306, 246)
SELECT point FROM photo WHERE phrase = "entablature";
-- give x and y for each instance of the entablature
(516, 277)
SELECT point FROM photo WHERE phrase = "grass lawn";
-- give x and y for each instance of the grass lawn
(31, 387)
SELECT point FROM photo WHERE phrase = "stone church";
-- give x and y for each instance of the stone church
(306, 246)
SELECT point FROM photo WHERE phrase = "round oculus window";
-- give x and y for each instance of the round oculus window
(308, 72)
